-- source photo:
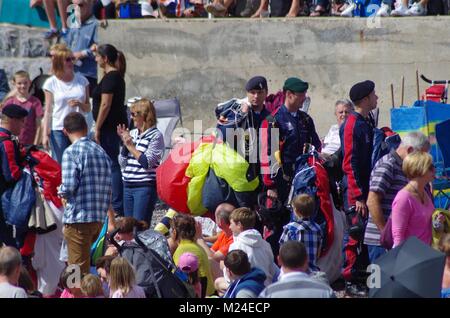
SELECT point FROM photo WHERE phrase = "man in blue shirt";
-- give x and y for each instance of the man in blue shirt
(86, 189)
(80, 40)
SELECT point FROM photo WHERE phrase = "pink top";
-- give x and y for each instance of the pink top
(34, 107)
(135, 292)
(66, 294)
(411, 218)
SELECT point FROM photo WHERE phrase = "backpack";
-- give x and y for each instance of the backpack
(311, 178)
(37, 83)
(153, 274)
(274, 101)
(384, 140)
(435, 93)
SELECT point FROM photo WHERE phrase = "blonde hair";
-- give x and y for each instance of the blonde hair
(91, 286)
(121, 275)
(444, 244)
(417, 164)
(303, 205)
(60, 52)
(21, 73)
(146, 109)
(246, 216)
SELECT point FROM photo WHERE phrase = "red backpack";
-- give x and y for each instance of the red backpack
(435, 93)
(274, 101)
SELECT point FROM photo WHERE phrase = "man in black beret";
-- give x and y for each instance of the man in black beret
(356, 135)
(12, 120)
(295, 130)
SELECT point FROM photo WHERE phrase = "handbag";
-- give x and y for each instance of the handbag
(42, 219)
(356, 224)
(386, 238)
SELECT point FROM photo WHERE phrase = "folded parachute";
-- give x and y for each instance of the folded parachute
(182, 176)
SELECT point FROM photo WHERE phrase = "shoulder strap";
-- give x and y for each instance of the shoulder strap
(3, 138)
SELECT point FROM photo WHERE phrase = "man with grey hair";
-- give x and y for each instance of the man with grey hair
(387, 178)
(10, 264)
(332, 142)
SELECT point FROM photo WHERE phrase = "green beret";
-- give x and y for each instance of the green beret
(295, 85)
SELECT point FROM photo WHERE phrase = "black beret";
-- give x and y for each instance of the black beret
(295, 85)
(257, 82)
(361, 90)
(14, 111)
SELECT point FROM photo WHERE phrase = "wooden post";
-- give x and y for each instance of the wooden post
(417, 84)
(403, 91)
(392, 95)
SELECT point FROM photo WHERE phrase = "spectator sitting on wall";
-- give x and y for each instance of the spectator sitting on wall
(49, 6)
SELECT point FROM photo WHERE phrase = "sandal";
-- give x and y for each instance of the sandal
(318, 11)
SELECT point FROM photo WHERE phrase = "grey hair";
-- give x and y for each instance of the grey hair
(417, 140)
(346, 102)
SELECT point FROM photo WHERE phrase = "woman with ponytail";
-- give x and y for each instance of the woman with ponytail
(109, 111)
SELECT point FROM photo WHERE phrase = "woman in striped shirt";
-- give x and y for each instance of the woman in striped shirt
(140, 156)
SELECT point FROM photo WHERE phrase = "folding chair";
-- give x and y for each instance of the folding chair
(168, 113)
(442, 181)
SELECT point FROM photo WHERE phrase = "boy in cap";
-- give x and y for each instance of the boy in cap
(356, 135)
(295, 130)
(12, 121)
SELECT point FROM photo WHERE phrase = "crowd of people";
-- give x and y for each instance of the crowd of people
(111, 9)
(107, 157)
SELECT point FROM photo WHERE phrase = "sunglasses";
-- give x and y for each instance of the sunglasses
(135, 114)
(70, 59)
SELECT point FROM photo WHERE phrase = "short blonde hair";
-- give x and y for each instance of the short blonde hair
(303, 205)
(59, 52)
(417, 164)
(91, 286)
(121, 275)
(245, 216)
(146, 109)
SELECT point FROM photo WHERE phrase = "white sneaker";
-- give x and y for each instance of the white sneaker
(416, 10)
(400, 11)
(384, 10)
(348, 12)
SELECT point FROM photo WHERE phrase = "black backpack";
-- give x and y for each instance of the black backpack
(153, 274)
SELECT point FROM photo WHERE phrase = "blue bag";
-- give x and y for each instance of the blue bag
(17, 201)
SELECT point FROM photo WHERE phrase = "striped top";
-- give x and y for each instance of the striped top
(143, 171)
(387, 179)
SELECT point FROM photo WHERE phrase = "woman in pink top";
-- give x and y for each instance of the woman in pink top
(413, 205)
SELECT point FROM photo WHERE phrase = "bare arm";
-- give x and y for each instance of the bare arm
(47, 118)
(375, 210)
(105, 107)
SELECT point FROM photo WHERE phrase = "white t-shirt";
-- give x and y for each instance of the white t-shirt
(10, 291)
(62, 93)
(332, 141)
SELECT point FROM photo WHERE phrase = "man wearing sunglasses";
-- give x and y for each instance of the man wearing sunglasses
(80, 40)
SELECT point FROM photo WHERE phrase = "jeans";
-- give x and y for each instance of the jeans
(375, 251)
(139, 202)
(58, 142)
(110, 142)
